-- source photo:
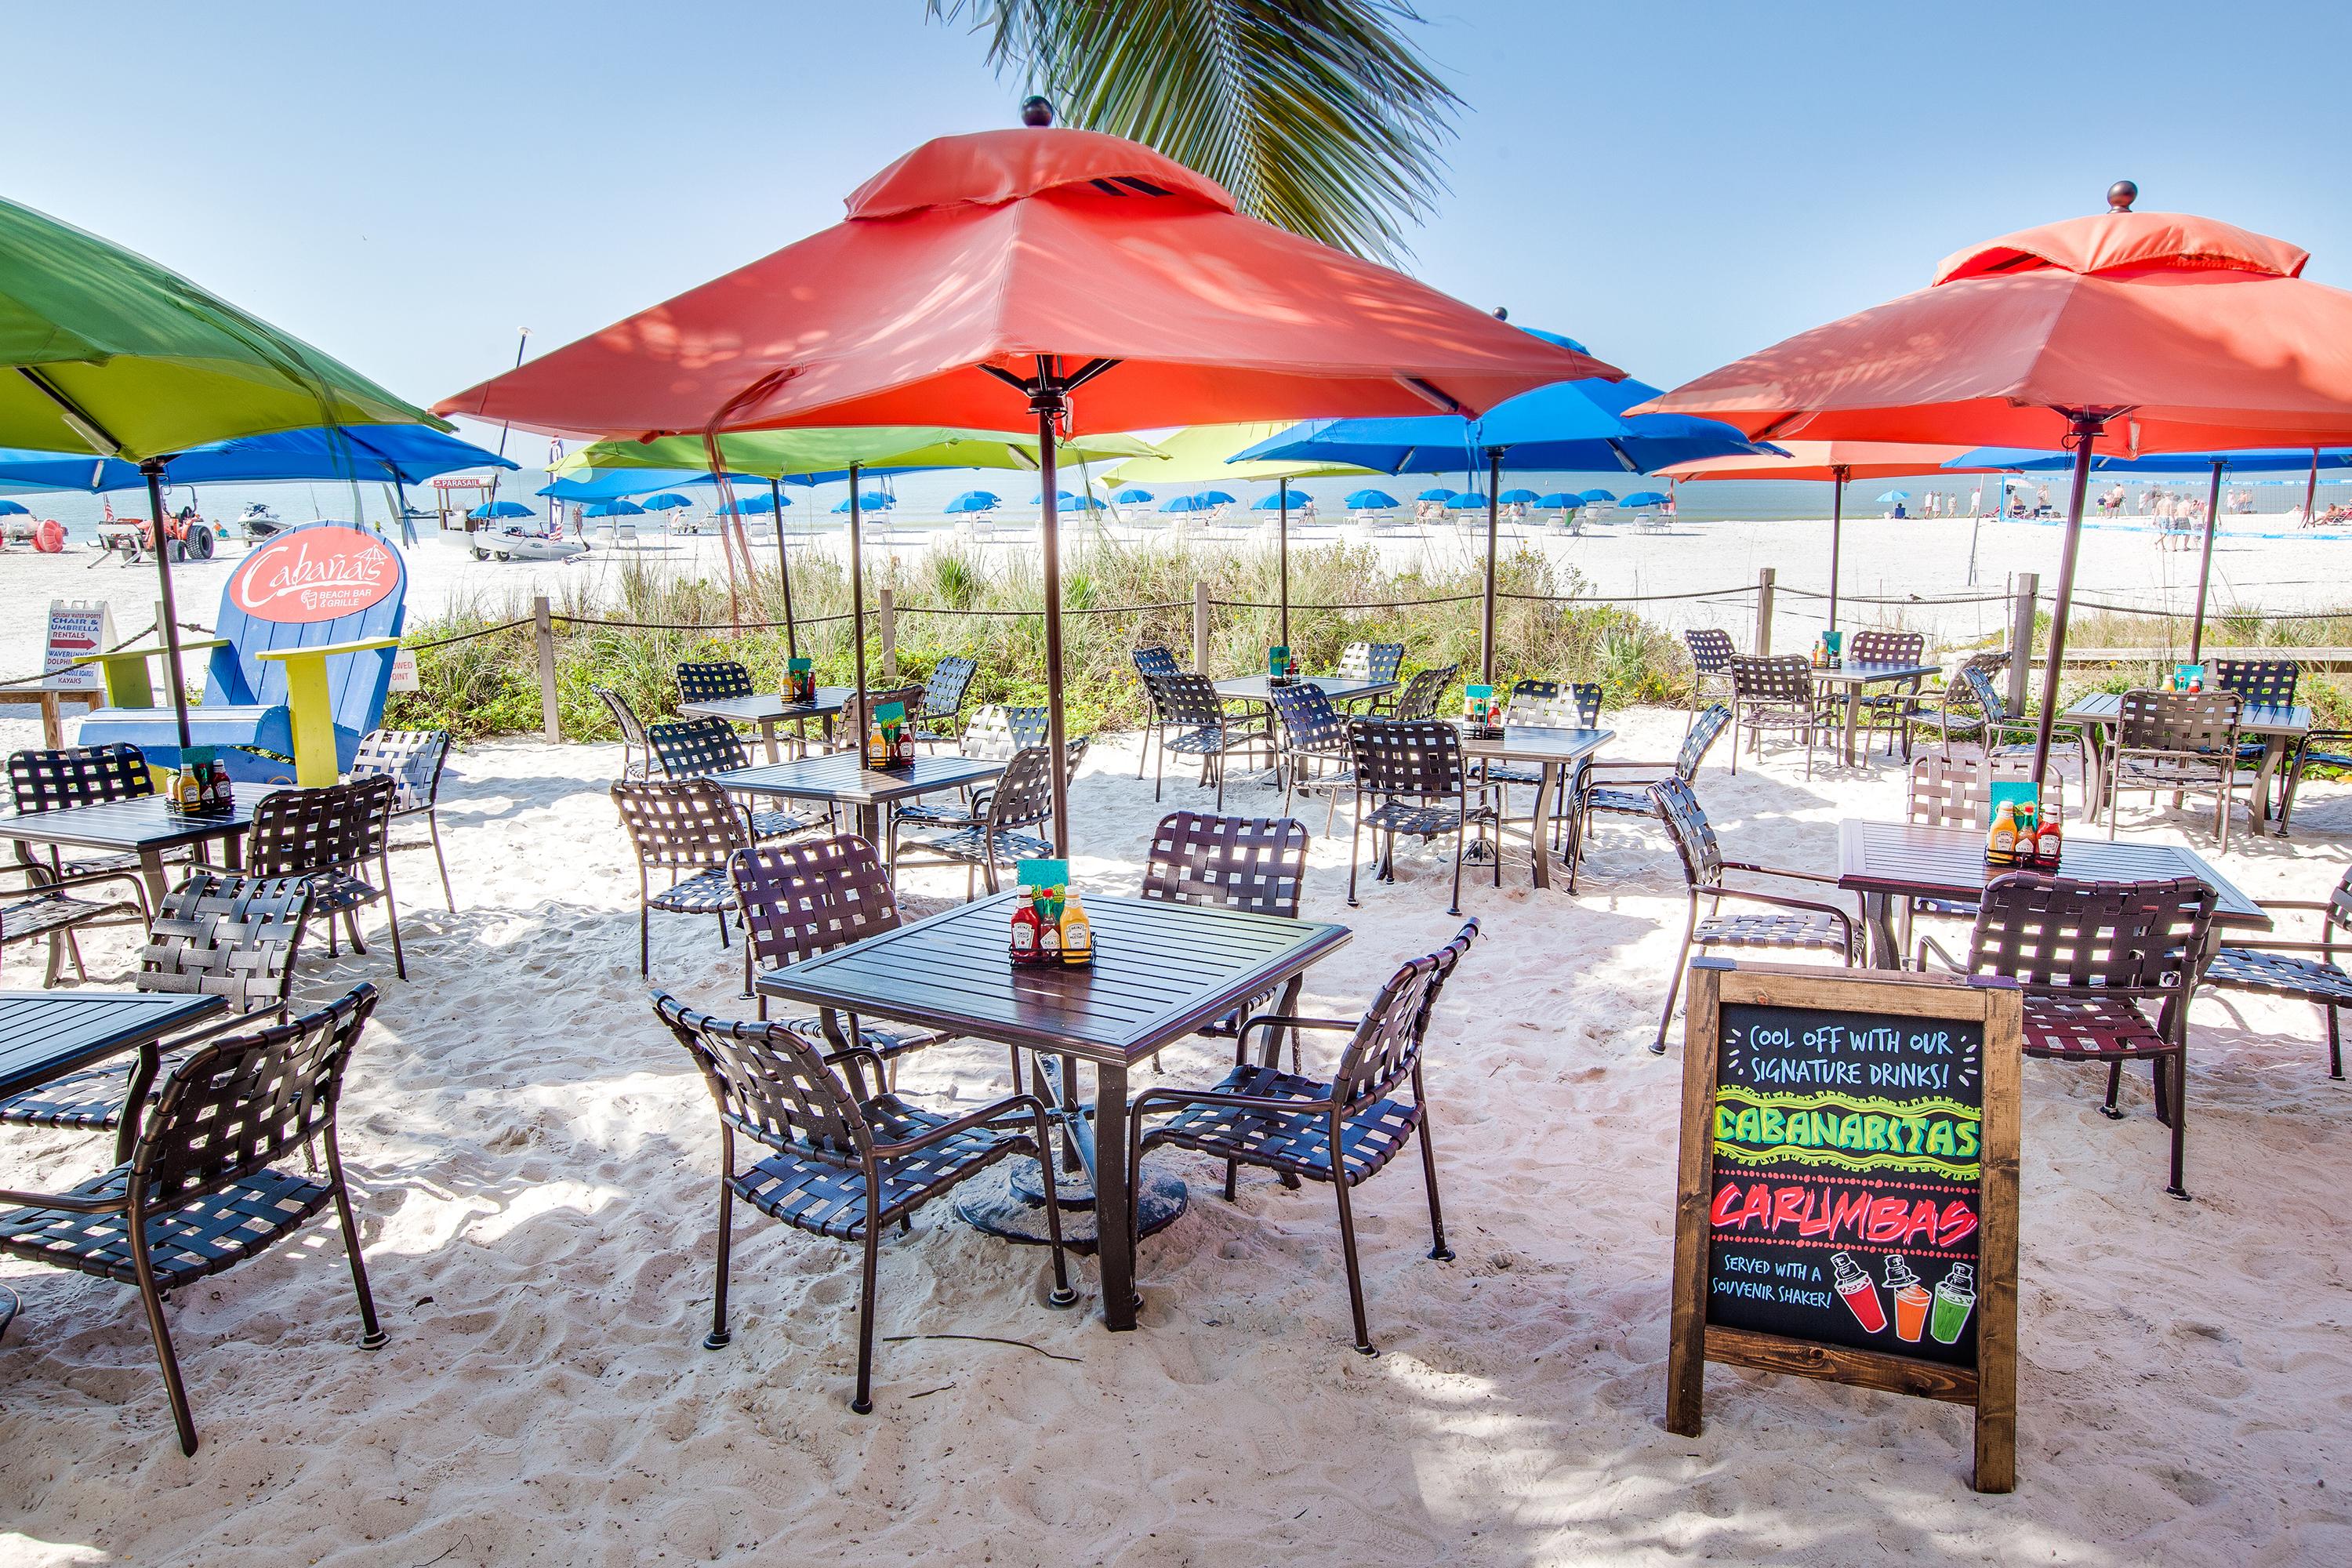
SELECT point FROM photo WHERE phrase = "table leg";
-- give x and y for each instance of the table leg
(1853, 712)
(1539, 825)
(1113, 1248)
(151, 871)
(768, 738)
(2273, 762)
(2094, 783)
(1878, 919)
(1270, 1054)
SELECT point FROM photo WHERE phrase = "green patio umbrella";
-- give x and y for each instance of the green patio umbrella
(102, 350)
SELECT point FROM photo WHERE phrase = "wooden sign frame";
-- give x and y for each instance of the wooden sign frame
(1991, 1389)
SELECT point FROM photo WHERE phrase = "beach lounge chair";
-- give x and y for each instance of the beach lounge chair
(302, 662)
(838, 1158)
(1342, 1131)
(200, 1192)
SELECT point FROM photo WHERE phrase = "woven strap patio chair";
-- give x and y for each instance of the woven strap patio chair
(938, 716)
(1602, 784)
(696, 748)
(83, 775)
(327, 837)
(1371, 662)
(1311, 746)
(2309, 970)
(1341, 1131)
(713, 682)
(215, 935)
(1888, 708)
(2262, 683)
(1426, 692)
(1958, 793)
(201, 1191)
(2090, 956)
(1801, 925)
(1253, 863)
(637, 751)
(413, 761)
(2176, 742)
(689, 829)
(1196, 725)
(1151, 664)
(806, 898)
(1711, 651)
(1774, 694)
(851, 735)
(1016, 825)
(994, 733)
(1410, 779)
(837, 1157)
(2319, 749)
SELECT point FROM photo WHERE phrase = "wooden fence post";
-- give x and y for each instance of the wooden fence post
(1201, 626)
(1764, 579)
(885, 619)
(543, 628)
(2020, 639)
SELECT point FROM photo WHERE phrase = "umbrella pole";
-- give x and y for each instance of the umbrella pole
(2311, 492)
(1487, 604)
(2205, 562)
(783, 567)
(2084, 432)
(1048, 402)
(1838, 472)
(857, 615)
(153, 467)
(1281, 553)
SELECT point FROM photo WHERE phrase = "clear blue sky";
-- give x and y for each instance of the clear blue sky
(406, 183)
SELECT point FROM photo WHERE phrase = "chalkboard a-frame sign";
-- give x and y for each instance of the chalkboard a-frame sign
(1847, 1204)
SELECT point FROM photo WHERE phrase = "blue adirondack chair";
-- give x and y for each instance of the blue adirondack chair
(301, 661)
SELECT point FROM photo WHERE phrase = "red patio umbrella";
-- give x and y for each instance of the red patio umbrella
(2127, 332)
(984, 274)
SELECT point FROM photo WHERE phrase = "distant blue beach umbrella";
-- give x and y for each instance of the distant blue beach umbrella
(749, 506)
(1519, 497)
(1437, 492)
(1597, 497)
(1188, 504)
(1371, 500)
(971, 502)
(1134, 495)
(669, 500)
(492, 511)
(1646, 498)
(1467, 500)
(612, 508)
(868, 501)
(14, 508)
(1216, 498)
(1894, 496)
(1274, 502)
(1062, 497)
(1560, 500)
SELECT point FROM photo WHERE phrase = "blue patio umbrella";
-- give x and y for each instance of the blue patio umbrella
(757, 504)
(870, 501)
(492, 511)
(1597, 497)
(1890, 497)
(1061, 498)
(612, 508)
(1465, 500)
(1188, 504)
(1371, 500)
(1435, 492)
(1134, 495)
(972, 500)
(610, 484)
(1216, 498)
(388, 454)
(1282, 499)
(1518, 497)
(1646, 498)
(1560, 500)
(669, 500)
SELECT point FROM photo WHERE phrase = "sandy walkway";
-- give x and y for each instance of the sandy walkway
(535, 1162)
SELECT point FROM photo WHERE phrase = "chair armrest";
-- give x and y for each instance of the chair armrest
(1290, 1021)
(197, 645)
(1929, 945)
(324, 650)
(1152, 1100)
(66, 1201)
(1779, 872)
(964, 1123)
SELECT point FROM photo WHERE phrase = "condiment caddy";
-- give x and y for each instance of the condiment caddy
(1277, 666)
(1482, 713)
(799, 680)
(199, 787)
(1049, 925)
(1828, 650)
(889, 739)
(2023, 836)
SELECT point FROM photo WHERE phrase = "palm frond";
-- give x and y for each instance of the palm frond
(1318, 115)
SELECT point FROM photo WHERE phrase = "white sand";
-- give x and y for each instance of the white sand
(535, 1158)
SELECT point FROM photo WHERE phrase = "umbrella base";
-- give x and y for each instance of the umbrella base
(1009, 1201)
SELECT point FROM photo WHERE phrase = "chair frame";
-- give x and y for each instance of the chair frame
(1414, 767)
(696, 748)
(2279, 967)
(1193, 710)
(1425, 693)
(637, 760)
(1312, 736)
(687, 827)
(1152, 662)
(413, 759)
(1022, 796)
(1711, 652)
(324, 835)
(713, 681)
(1774, 693)
(2166, 740)
(1597, 790)
(944, 692)
(1894, 709)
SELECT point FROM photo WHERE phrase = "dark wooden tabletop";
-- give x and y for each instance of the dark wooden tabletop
(45, 1035)
(1914, 861)
(1539, 743)
(1852, 674)
(842, 776)
(1161, 970)
(142, 823)
(2253, 717)
(1338, 688)
(768, 705)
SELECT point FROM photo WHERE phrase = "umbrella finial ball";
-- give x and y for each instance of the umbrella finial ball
(1502, 312)
(2120, 196)
(1036, 111)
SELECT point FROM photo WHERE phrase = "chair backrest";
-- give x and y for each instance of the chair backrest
(1370, 660)
(2262, 682)
(694, 748)
(713, 682)
(1189, 700)
(1554, 704)
(1254, 863)
(632, 727)
(1711, 723)
(1386, 1047)
(1785, 679)
(1694, 842)
(1958, 793)
(1993, 662)
(1424, 691)
(770, 1084)
(78, 776)
(1418, 757)
(1877, 647)
(1711, 649)
(239, 1104)
(853, 727)
(803, 899)
(299, 832)
(681, 822)
(2204, 721)
(411, 759)
(1309, 722)
(1023, 794)
(2055, 935)
(943, 690)
(997, 731)
(321, 584)
(1154, 660)
(219, 934)
(1972, 687)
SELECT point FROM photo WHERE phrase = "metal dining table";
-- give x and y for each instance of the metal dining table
(1256, 693)
(842, 778)
(1555, 751)
(144, 826)
(2278, 725)
(1161, 970)
(1892, 863)
(1853, 679)
(768, 709)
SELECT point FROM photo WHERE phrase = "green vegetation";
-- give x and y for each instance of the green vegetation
(490, 685)
(2166, 640)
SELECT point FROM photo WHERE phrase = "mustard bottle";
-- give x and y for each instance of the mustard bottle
(1078, 935)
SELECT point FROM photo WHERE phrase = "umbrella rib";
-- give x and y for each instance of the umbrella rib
(88, 428)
